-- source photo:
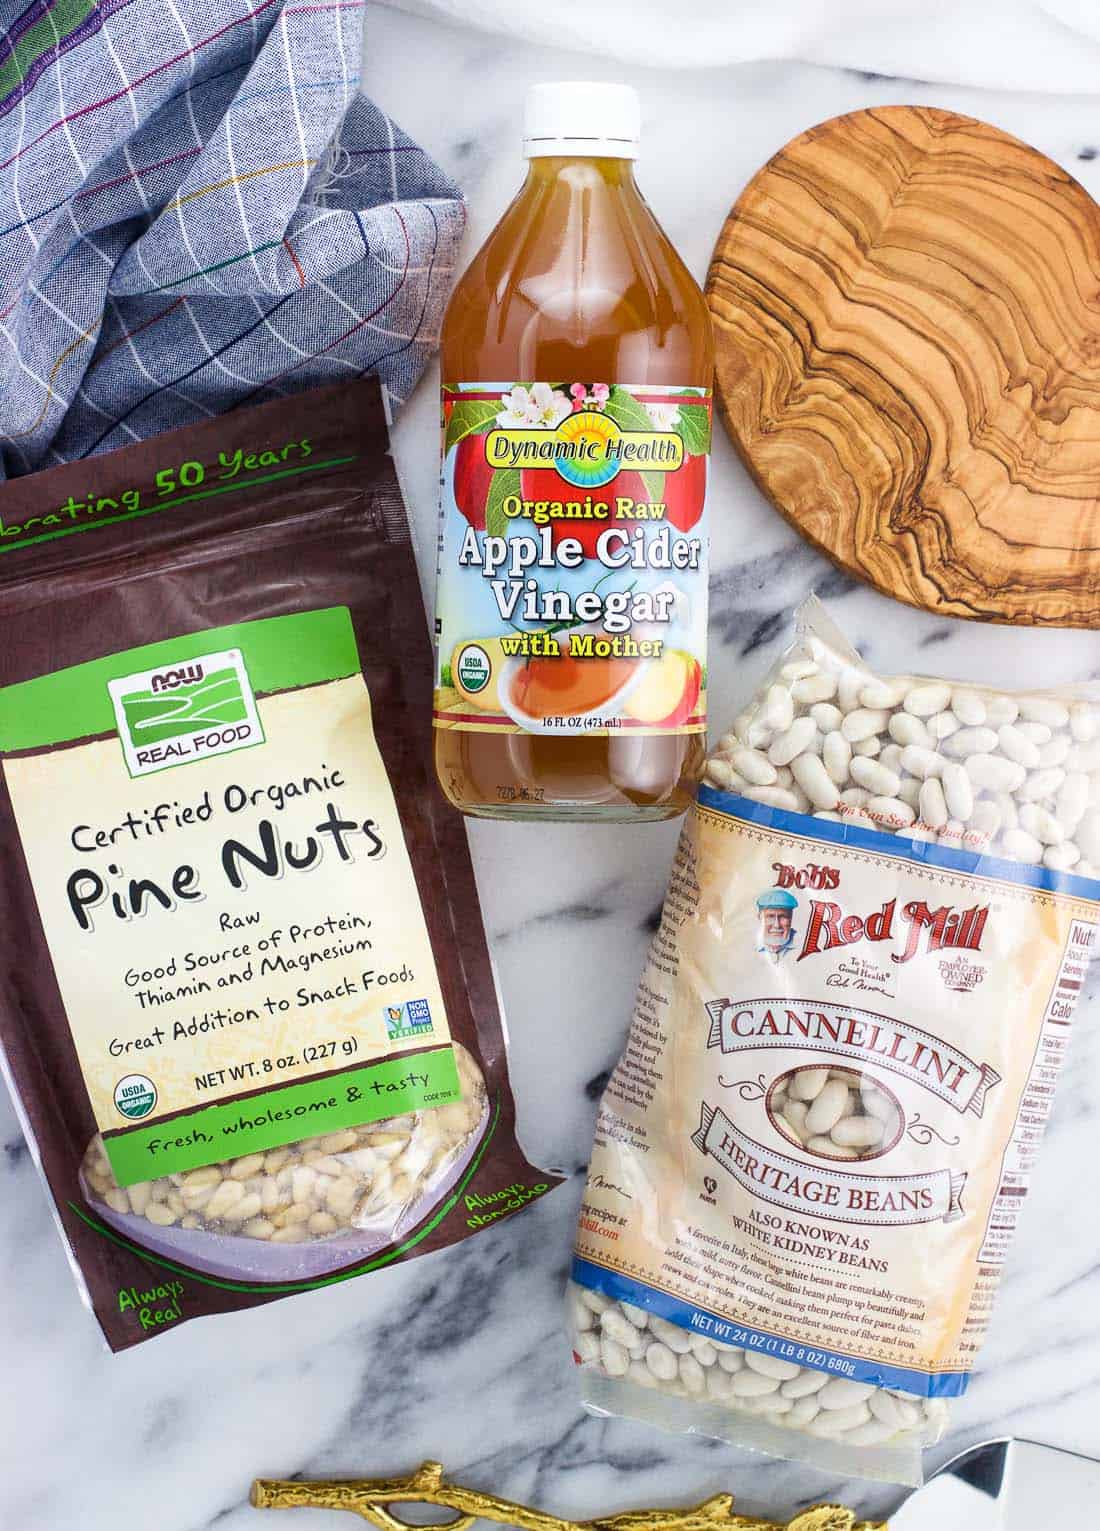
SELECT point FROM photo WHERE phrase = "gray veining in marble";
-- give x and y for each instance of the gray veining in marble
(461, 1355)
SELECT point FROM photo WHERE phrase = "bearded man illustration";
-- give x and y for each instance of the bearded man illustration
(775, 910)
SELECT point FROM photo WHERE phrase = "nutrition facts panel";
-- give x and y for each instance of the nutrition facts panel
(1031, 1120)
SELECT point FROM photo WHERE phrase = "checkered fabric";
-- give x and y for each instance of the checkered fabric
(198, 210)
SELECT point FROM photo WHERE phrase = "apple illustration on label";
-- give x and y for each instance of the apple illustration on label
(668, 693)
(473, 478)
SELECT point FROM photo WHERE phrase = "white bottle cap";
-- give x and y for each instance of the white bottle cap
(582, 117)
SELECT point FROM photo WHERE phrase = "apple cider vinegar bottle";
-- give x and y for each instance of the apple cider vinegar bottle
(571, 612)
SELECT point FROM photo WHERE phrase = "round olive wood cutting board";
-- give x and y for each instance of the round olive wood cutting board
(907, 317)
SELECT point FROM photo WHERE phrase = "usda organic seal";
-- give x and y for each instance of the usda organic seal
(474, 668)
(135, 1096)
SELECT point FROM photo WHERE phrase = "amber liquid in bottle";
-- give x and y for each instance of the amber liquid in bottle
(578, 280)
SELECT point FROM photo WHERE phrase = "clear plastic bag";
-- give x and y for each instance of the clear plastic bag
(810, 1157)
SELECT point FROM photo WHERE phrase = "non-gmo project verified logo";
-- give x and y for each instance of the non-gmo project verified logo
(189, 711)
(411, 1019)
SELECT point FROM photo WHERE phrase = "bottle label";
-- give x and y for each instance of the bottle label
(572, 591)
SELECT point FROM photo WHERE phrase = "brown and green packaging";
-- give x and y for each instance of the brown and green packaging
(248, 1015)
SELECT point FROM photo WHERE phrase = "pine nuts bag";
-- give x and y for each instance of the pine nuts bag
(810, 1159)
(247, 1016)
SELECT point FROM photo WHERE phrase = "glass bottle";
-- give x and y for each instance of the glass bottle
(577, 362)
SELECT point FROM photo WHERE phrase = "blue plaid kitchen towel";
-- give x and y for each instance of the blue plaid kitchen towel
(199, 210)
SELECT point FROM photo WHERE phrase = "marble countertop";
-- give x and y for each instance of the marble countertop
(461, 1355)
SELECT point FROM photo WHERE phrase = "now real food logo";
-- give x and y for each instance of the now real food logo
(176, 714)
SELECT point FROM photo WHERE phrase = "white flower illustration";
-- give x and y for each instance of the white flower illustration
(517, 411)
(541, 406)
(549, 405)
(665, 417)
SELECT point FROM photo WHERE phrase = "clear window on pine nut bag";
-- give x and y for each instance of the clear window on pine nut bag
(248, 1016)
(812, 1156)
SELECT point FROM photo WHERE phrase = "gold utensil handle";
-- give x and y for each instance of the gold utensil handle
(371, 1499)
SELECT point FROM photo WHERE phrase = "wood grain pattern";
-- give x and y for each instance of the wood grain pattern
(907, 312)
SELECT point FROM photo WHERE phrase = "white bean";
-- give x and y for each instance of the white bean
(890, 757)
(926, 699)
(662, 1361)
(849, 686)
(587, 1346)
(1041, 823)
(614, 1358)
(825, 1145)
(793, 741)
(909, 792)
(828, 1107)
(836, 753)
(969, 708)
(1000, 709)
(890, 1410)
(863, 722)
(906, 729)
(814, 688)
(808, 1084)
(986, 819)
(692, 1375)
(749, 1381)
(826, 716)
(995, 773)
(1061, 858)
(1084, 757)
(857, 1132)
(1018, 845)
(753, 766)
(721, 775)
(1056, 753)
(1038, 733)
(1017, 746)
(843, 1393)
(778, 708)
(772, 1366)
(1040, 784)
(805, 1384)
(1073, 799)
(794, 1114)
(932, 804)
(798, 669)
(971, 741)
(1044, 709)
(617, 1326)
(942, 726)
(815, 781)
(877, 778)
(1084, 722)
(957, 790)
(921, 762)
(719, 1385)
(832, 1422)
(753, 1384)
(867, 747)
(673, 1337)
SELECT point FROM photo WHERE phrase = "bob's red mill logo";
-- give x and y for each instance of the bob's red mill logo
(912, 926)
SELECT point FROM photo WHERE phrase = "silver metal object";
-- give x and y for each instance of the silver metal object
(1007, 1486)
